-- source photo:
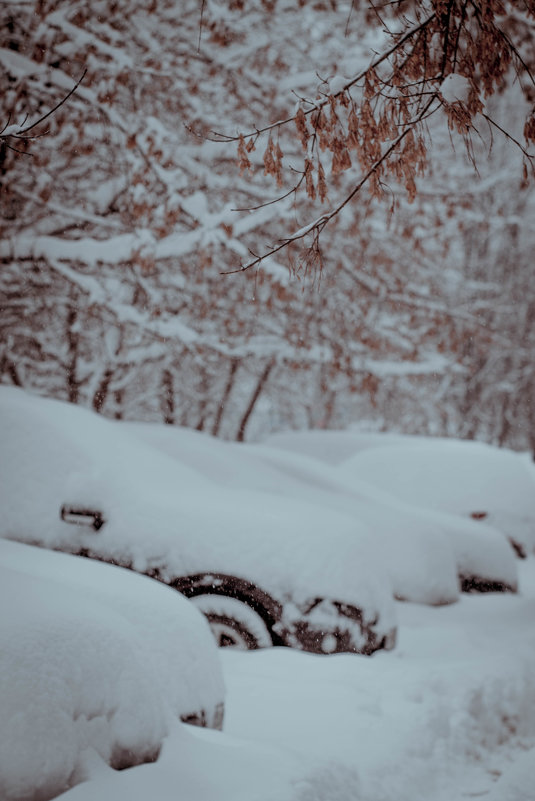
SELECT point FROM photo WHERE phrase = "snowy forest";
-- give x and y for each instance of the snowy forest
(129, 212)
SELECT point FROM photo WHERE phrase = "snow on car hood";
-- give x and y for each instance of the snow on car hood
(162, 515)
(92, 656)
(424, 551)
(453, 475)
(415, 552)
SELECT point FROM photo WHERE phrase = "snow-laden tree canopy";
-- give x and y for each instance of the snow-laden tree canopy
(120, 217)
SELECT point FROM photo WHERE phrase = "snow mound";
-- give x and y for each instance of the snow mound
(422, 722)
(91, 657)
(71, 677)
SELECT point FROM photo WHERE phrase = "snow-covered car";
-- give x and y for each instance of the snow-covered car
(93, 657)
(472, 479)
(263, 568)
(429, 555)
(331, 446)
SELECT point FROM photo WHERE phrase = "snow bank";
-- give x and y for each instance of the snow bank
(433, 719)
(198, 766)
(91, 657)
(449, 715)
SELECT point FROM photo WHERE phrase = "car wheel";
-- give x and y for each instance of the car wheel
(233, 623)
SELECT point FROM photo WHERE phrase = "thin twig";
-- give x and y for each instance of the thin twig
(203, 3)
(529, 156)
(508, 42)
(316, 227)
(278, 199)
(315, 106)
(21, 133)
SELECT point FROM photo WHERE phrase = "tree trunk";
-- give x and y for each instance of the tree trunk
(223, 402)
(73, 385)
(118, 397)
(252, 403)
(99, 398)
(168, 398)
(203, 402)
(7, 366)
(328, 396)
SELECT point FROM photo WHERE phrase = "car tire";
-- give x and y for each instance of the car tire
(234, 624)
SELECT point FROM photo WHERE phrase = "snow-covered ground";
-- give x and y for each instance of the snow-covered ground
(448, 715)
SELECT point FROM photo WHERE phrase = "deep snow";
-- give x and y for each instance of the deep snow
(448, 715)
(92, 657)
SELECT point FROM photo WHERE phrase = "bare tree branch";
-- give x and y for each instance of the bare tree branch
(21, 132)
(316, 227)
(318, 105)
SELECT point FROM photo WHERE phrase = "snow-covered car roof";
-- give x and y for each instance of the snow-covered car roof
(330, 446)
(465, 477)
(164, 517)
(93, 656)
(424, 551)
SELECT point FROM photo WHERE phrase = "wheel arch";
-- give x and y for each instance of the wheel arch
(242, 590)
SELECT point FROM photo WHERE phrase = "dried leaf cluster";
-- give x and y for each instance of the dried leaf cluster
(375, 123)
